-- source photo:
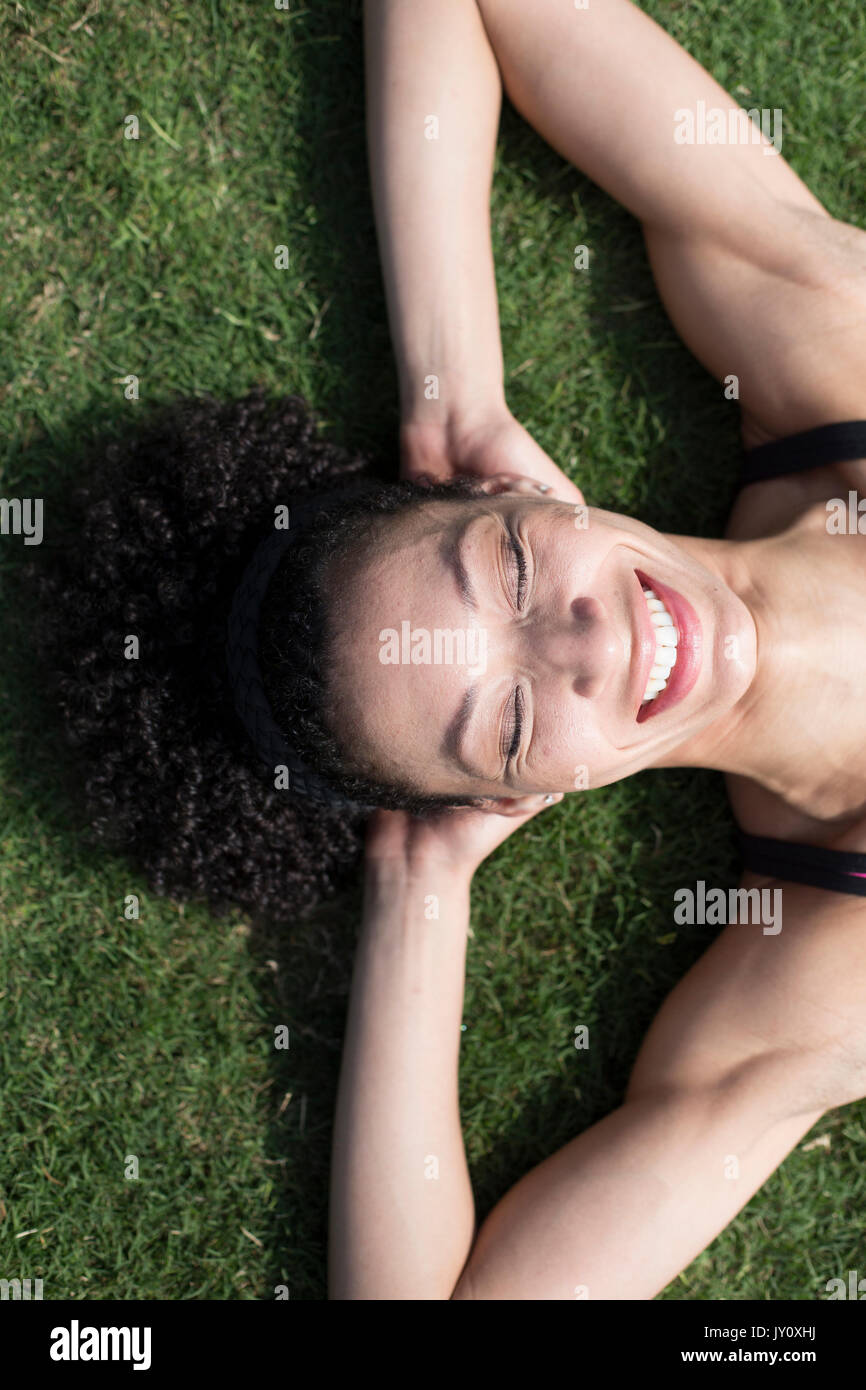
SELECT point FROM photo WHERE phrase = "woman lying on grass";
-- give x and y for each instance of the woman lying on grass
(594, 647)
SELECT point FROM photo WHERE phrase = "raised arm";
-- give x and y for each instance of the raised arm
(759, 280)
(433, 101)
(762, 1036)
(401, 1212)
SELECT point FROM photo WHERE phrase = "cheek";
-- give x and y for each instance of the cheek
(574, 555)
(572, 749)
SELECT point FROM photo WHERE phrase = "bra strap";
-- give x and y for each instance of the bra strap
(842, 871)
(808, 449)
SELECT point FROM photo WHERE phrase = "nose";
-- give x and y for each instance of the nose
(581, 642)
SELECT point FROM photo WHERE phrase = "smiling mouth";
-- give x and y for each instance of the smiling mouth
(667, 638)
(673, 639)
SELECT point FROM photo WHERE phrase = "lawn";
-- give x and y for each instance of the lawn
(145, 1045)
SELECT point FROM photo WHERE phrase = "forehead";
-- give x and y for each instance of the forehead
(390, 714)
(389, 541)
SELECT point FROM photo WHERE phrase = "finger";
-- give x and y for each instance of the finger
(514, 482)
(523, 805)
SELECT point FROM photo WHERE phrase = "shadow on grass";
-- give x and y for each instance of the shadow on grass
(43, 781)
(40, 768)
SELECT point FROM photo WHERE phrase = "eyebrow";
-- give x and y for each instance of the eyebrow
(461, 574)
(457, 728)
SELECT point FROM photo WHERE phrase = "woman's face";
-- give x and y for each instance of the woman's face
(503, 646)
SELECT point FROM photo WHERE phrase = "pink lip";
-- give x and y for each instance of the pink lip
(689, 649)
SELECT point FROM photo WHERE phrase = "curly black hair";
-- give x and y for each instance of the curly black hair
(160, 533)
(298, 634)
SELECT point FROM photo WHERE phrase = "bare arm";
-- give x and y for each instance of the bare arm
(761, 283)
(433, 100)
(759, 1039)
(402, 1216)
(759, 280)
(401, 1213)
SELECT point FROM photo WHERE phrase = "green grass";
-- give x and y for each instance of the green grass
(152, 1037)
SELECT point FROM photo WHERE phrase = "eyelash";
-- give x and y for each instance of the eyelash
(518, 725)
(517, 550)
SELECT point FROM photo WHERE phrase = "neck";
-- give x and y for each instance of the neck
(753, 738)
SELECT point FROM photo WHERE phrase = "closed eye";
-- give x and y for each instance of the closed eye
(520, 559)
(516, 722)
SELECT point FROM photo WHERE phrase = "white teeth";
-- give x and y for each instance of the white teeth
(667, 638)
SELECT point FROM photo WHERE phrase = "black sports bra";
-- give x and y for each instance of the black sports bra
(842, 871)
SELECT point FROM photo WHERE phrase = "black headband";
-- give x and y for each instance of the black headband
(242, 655)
